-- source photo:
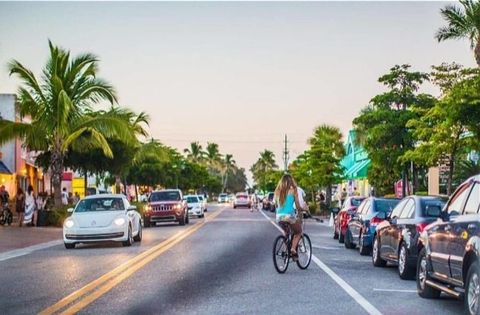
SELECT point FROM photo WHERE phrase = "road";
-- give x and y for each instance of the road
(218, 265)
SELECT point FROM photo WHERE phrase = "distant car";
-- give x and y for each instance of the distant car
(194, 205)
(242, 200)
(343, 217)
(99, 218)
(223, 198)
(165, 206)
(448, 258)
(268, 202)
(396, 238)
(362, 226)
(204, 202)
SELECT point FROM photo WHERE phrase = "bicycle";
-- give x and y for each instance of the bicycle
(6, 215)
(282, 249)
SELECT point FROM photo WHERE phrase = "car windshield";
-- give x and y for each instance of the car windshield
(437, 203)
(222, 195)
(100, 204)
(241, 196)
(385, 205)
(165, 196)
(192, 199)
(200, 197)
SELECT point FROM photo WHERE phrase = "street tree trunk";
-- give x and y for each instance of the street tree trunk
(477, 52)
(57, 173)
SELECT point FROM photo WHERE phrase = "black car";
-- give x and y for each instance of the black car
(396, 238)
(361, 228)
(449, 249)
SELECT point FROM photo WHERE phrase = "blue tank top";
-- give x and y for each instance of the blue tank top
(286, 212)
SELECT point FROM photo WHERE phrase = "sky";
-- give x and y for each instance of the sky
(239, 74)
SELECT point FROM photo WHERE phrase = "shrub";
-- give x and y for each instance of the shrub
(390, 196)
(312, 207)
(57, 215)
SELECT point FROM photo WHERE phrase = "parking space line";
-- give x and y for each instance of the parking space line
(395, 290)
(367, 306)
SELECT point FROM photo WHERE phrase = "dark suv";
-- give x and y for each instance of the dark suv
(165, 206)
(449, 249)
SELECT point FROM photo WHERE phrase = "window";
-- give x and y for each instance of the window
(473, 202)
(100, 204)
(165, 196)
(192, 199)
(398, 209)
(356, 202)
(457, 200)
(386, 205)
(434, 206)
(409, 210)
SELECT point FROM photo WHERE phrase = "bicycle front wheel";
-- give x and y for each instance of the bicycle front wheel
(281, 254)
(304, 251)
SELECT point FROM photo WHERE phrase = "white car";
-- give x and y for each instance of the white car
(194, 205)
(204, 202)
(99, 218)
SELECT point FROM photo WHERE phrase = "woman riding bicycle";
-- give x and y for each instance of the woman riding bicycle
(287, 199)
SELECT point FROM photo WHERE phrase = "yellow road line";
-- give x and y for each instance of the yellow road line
(124, 271)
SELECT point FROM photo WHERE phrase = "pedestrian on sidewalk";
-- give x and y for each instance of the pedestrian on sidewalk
(29, 205)
(20, 205)
(64, 196)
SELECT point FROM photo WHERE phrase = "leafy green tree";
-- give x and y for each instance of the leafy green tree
(462, 23)
(440, 130)
(382, 126)
(60, 109)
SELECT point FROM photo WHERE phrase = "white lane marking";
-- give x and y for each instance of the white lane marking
(326, 247)
(27, 250)
(367, 306)
(239, 220)
(395, 290)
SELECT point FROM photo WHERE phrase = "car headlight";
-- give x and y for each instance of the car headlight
(178, 206)
(119, 221)
(69, 223)
(147, 208)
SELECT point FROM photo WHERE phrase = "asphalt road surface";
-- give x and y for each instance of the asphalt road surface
(218, 265)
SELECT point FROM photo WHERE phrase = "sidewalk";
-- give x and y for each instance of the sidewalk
(14, 237)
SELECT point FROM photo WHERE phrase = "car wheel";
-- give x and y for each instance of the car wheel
(472, 289)
(129, 240)
(405, 271)
(341, 238)
(181, 221)
(364, 250)
(423, 289)
(187, 219)
(138, 237)
(376, 258)
(69, 245)
(348, 240)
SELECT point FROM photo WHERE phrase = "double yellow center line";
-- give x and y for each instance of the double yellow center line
(84, 296)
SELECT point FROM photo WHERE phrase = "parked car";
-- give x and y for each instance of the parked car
(397, 237)
(268, 203)
(362, 226)
(343, 217)
(165, 206)
(242, 200)
(448, 259)
(194, 205)
(99, 218)
(223, 198)
(204, 202)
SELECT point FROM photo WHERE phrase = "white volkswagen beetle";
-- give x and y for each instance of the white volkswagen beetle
(99, 218)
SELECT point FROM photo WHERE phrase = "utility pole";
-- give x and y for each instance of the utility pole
(285, 155)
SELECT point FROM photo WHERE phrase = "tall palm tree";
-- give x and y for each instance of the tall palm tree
(228, 163)
(195, 152)
(463, 23)
(212, 153)
(60, 108)
(262, 167)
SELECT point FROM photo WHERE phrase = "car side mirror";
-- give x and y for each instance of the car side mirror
(70, 210)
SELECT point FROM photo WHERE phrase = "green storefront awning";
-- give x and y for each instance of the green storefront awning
(358, 170)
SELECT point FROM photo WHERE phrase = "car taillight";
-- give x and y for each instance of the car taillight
(421, 227)
(375, 220)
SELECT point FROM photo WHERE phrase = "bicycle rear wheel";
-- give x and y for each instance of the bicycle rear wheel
(281, 254)
(304, 251)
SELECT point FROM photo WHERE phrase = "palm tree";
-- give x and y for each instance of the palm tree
(262, 167)
(60, 110)
(195, 152)
(228, 164)
(463, 23)
(213, 156)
